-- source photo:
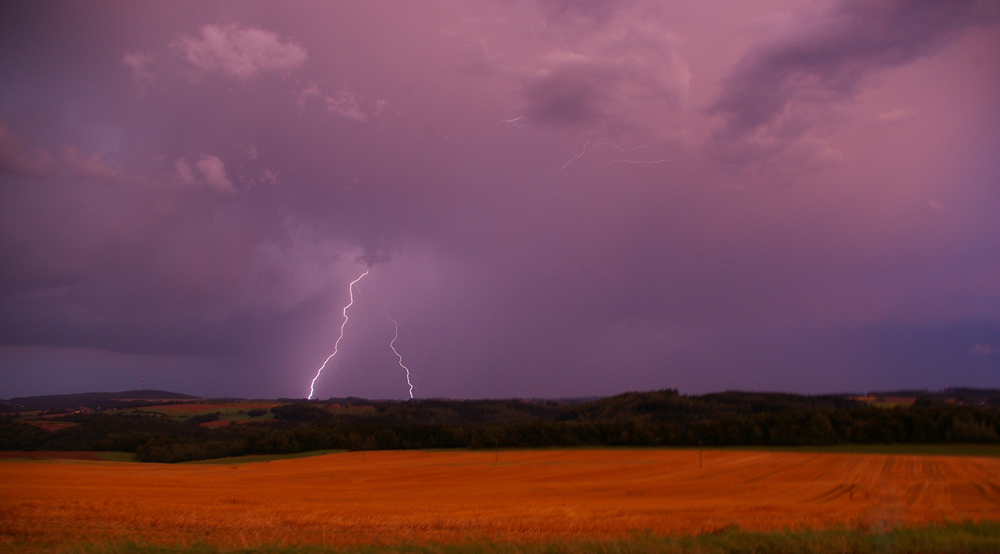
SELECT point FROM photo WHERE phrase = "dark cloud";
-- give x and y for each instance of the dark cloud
(155, 271)
(924, 349)
(785, 88)
(573, 93)
(607, 80)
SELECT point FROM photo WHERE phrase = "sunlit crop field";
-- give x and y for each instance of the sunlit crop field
(393, 496)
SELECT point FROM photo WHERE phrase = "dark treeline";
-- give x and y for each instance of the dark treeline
(662, 418)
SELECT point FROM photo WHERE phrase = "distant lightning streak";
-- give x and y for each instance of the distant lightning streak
(392, 345)
(637, 162)
(626, 149)
(514, 120)
(591, 146)
(336, 344)
(587, 148)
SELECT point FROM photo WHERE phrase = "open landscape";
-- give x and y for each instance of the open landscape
(452, 496)
(83, 471)
(500, 277)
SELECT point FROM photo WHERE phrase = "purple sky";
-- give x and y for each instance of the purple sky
(554, 197)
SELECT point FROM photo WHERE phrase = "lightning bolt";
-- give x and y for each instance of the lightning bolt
(336, 344)
(663, 161)
(514, 120)
(591, 146)
(587, 148)
(391, 345)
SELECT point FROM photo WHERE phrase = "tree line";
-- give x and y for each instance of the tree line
(660, 418)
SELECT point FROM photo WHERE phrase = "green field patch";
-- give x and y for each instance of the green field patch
(981, 450)
(48, 456)
(981, 537)
(226, 410)
(117, 456)
(264, 457)
(57, 455)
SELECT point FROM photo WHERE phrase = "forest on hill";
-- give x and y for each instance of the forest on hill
(93, 400)
(658, 418)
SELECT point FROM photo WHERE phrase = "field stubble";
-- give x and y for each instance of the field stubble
(527, 496)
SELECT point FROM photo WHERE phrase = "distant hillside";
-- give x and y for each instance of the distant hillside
(655, 418)
(91, 400)
(959, 395)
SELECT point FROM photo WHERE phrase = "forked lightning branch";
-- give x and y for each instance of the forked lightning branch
(336, 344)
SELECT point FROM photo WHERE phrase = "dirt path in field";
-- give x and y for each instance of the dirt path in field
(526, 495)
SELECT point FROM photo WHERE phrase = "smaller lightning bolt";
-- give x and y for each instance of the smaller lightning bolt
(587, 148)
(591, 146)
(337, 343)
(623, 149)
(392, 345)
(514, 120)
(638, 162)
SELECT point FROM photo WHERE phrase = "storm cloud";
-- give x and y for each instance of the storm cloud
(789, 85)
(609, 82)
(552, 198)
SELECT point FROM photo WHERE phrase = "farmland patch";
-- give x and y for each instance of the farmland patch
(526, 496)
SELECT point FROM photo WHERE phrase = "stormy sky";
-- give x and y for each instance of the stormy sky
(553, 198)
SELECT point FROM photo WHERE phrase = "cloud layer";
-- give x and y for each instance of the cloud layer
(553, 198)
(789, 86)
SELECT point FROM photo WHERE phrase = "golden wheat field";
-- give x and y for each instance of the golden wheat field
(395, 496)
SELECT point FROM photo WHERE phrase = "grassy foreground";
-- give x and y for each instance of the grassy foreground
(252, 459)
(982, 450)
(957, 538)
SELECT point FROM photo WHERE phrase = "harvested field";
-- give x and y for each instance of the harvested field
(395, 496)
(49, 425)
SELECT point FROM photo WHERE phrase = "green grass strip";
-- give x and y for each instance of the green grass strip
(983, 537)
(254, 458)
(117, 456)
(981, 450)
